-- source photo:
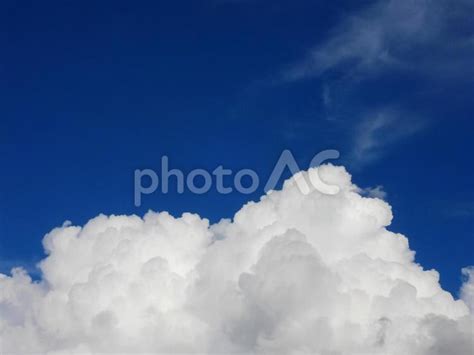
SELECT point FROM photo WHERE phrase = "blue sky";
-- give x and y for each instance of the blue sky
(92, 91)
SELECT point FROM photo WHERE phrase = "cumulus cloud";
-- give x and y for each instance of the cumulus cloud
(291, 273)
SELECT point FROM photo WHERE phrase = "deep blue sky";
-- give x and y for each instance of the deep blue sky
(91, 91)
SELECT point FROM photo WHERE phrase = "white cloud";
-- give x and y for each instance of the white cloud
(291, 273)
(378, 130)
(429, 41)
(467, 289)
(374, 192)
(420, 35)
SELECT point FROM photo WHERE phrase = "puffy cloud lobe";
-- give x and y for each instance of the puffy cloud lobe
(292, 273)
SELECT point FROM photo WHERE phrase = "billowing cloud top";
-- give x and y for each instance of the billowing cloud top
(292, 273)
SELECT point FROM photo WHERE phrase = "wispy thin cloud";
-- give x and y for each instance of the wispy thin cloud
(374, 192)
(431, 39)
(461, 210)
(380, 129)
(415, 35)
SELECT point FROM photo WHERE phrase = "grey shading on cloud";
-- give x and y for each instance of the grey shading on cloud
(467, 289)
(292, 274)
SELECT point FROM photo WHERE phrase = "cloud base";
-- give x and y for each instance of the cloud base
(292, 273)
